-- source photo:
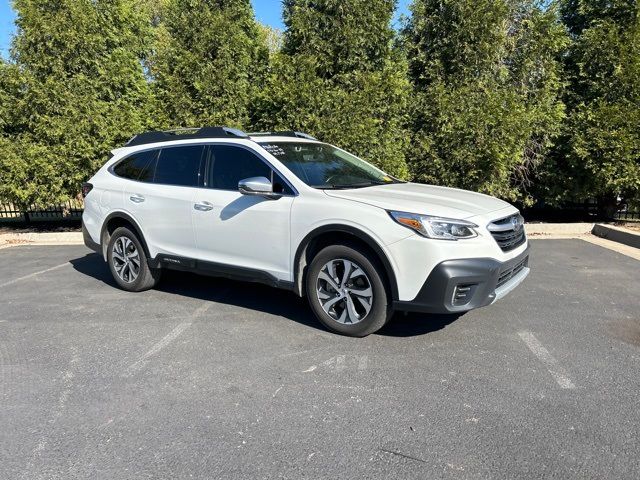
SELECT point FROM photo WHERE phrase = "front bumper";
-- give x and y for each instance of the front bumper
(456, 286)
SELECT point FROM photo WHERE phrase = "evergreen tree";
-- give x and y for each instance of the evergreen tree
(209, 61)
(339, 78)
(342, 36)
(601, 154)
(486, 86)
(73, 90)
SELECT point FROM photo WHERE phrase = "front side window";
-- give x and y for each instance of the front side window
(137, 166)
(323, 166)
(179, 166)
(230, 164)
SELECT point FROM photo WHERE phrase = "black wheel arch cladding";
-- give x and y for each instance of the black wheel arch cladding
(359, 235)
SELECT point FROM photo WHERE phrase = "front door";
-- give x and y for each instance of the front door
(236, 230)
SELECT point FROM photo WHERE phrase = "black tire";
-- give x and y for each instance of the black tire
(145, 277)
(380, 305)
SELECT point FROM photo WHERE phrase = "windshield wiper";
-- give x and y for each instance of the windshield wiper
(347, 186)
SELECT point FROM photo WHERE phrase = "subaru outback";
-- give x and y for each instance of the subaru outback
(287, 210)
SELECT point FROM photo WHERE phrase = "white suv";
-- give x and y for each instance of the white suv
(287, 210)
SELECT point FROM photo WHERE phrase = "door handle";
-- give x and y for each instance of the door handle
(135, 198)
(203, 206)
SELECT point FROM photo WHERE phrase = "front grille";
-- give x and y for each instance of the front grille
(510, 272)
(508, 232)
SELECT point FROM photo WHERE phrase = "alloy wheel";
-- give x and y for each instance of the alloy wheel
(126, 259)
(344, 291)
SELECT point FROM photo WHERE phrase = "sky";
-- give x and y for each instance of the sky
(267, 11)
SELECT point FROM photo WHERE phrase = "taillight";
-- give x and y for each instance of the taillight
(86, 188)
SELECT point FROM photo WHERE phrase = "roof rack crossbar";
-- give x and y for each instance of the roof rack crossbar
(286, 133)
(184, 134)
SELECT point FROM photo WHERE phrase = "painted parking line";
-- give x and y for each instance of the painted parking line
(341, 363)
(557, 372)
(31, 275)
(166, 340)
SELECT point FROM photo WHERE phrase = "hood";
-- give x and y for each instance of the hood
(424, 199)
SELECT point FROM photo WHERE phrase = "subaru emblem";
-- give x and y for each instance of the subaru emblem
(515, 221)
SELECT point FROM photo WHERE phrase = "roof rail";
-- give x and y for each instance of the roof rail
(184, 134)
(287, 133)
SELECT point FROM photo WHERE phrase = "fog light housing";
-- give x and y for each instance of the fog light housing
(463, 293)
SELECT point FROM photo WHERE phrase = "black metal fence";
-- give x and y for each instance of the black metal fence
(578, 212)
(627, 215)
(70, 211)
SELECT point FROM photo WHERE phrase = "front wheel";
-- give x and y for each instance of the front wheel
(346, 291)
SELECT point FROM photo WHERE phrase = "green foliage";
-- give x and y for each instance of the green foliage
(600, 155)
(75, 89)
(488, 95)
(486, 87)
(455, 40)
(342, 35)
(605, 148)
(339, 78)
(578, 15)
(209, 58)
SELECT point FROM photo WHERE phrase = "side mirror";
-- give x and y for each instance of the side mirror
(258, 187)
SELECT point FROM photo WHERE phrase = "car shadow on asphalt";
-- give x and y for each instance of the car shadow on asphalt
(92, 265)
(416, 324)
(258, 297)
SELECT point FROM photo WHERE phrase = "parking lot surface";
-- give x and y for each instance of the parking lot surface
(207, 378)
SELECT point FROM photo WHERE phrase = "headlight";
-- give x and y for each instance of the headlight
(436, 227)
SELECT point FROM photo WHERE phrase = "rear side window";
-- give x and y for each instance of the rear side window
(137, 166)
(179, 166)
(231, 164)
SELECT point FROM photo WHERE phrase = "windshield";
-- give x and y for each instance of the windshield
(326, 167)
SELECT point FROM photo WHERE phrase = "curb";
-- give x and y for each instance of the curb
(558, 229)
(41, 238)
(617, 234)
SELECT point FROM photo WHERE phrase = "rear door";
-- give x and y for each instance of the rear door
(161, 200)
(249, 232)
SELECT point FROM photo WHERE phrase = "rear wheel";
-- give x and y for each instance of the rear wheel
(346, 291)
(128, 262)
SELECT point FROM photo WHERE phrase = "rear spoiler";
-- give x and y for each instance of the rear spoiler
(117, 151)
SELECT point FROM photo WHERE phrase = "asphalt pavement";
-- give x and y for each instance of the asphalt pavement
(207, 378)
